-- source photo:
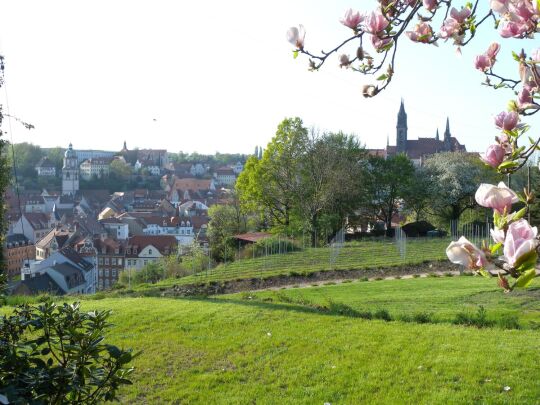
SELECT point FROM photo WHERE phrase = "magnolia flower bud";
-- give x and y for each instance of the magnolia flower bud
(369, 90)
(360, 53)
(344, 61)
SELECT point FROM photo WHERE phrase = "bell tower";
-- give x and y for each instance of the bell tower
(70, 172)
(401, 130)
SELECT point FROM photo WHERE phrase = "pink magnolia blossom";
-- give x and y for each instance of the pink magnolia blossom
(461, 15)
(529, 76)
(520, 240)
(375, 22)
(494, 155)
(422, 33)
(482, 62)
(500, 198)
(524, 98)
(465, 253)
(430, 4)
(511, 29)
(535, 55)
(499, 6)
(379, 43)
(296, 36)
(449, 28)
(521, 10)
(492, 51)
(506, 120)
(497, 235)
(352, 19)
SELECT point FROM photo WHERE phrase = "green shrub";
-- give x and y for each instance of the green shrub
(382, 314)
(479, 319)
(508, 321)
(422, 317)
(55, 354)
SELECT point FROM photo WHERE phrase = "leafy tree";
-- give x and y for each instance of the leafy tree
(27, 155)
(268, 186)
(151, 273)
(419, 193)
(56, 354)
(120, 169)
(224, 223)
(329, 180)
(388, 182)
(456, 177)
(56, 156)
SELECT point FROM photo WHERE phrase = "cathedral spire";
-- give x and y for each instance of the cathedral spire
(447, 136)
(437, 138)
(401, 130)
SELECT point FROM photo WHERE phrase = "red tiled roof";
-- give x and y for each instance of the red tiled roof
(252, 236)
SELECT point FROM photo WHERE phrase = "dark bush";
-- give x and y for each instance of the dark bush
(55, 354)
(419, 228)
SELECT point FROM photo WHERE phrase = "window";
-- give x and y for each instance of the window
(100, 261)
(119, 262)
(145, 262)
(113, 261)
(129, 262)
(106, 260)
(101, 273)
(107, 273)
(113, 273)
(149, 251)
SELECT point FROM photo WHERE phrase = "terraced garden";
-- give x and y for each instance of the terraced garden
(351, 256)
(239, 350)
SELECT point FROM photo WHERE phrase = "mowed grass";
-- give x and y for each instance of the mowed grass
(442, 298)
(352, 256)
(232, 350)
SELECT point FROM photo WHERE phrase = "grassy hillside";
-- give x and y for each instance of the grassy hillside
(352, 256)
(239, 350)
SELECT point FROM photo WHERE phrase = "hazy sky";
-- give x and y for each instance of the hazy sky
(212, 76)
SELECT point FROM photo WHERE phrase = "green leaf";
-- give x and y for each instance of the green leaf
(525, 279)
(508, 164)
(295, 54)
(527, 261)
(382, 77)
(495, 247)
(484, 273)
(520, 214)
(515, 55)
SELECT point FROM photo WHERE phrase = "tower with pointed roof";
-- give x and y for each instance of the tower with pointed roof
(401, 130)
(70, 172)
(447, 142)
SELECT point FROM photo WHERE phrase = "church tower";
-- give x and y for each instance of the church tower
(70, 172)
(401, 130)
(447, 144)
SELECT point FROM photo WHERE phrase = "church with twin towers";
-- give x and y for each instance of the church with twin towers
(418, 149)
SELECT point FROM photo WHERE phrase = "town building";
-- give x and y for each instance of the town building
(70, 172)
(111, 255)
(33, 225)
(18, 250)
(95, 168)
(142, 250)
(45, 167)
(418, 149)
(225, 176)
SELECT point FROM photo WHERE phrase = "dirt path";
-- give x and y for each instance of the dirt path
(348, 280)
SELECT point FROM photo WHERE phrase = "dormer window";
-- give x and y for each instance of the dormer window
(149, 251)
(128, 251)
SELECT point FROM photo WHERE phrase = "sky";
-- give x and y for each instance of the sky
(211, 76)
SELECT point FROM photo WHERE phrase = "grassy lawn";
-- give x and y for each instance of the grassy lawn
(352, 256)
(442, 298)
(234, 350)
